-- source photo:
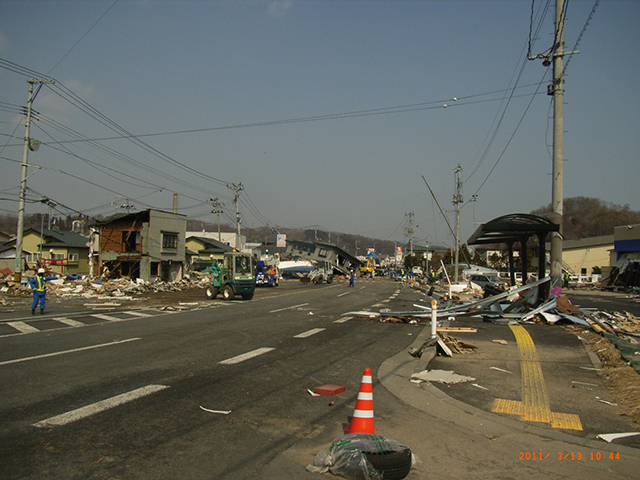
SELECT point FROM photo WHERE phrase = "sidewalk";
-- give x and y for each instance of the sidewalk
(454, 439)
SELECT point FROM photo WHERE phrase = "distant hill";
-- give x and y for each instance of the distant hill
(592, 217)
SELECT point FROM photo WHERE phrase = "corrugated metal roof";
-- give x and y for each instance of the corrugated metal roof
(600, 241)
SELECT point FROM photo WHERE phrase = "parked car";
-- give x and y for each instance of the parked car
(487, 280)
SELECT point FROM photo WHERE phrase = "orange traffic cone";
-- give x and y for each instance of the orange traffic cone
(362, 421)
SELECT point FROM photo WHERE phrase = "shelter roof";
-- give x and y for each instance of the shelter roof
(512, 228)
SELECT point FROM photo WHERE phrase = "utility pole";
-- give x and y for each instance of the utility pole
(556, 89)
(217, 209)
(410, 231)
(474, 199)
(457, 200)
(29, 144)
(557, 194)
(237, 188)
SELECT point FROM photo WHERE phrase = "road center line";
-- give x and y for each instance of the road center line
(245, 356)
(308, 333)
(46, 355)
(288, 308)
(101, 406)
(342, 320)
(343, 294)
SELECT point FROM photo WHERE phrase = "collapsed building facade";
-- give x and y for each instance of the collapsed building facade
(341, 261)
(149, 245)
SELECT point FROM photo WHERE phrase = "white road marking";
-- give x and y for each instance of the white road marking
(288, 308)
(83, 412)
(139, 314)
(342, 320)
(23, 327)
(246, 356)
(64, 352)
(308, 333)
(69, 321)
(110, 318)
(343, 294)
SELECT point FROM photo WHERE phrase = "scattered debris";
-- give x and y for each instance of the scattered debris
(221, 412)
(501, 370)
(581, 386)
(602, 400)
(584, 383)
(457, 346)
(610, 437)
(457, 330)
(330, 389)
(501, 342)
(479, 386)
(440, 376)
(313, 394)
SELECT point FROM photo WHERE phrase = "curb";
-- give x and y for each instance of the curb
(395, 374)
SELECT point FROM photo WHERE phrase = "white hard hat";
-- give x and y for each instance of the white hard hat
(41, 270)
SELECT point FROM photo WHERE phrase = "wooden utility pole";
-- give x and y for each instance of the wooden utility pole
(29, 144)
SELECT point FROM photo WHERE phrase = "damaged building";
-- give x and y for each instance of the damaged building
(149, 245)
(339, 259)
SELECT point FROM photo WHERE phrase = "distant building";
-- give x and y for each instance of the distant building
(58, 251)
(580, 257)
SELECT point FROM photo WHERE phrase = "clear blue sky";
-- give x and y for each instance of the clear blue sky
(328, 112)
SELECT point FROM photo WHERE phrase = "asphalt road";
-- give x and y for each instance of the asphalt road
(143, 383)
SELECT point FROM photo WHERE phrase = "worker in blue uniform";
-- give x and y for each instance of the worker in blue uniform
(39, 286)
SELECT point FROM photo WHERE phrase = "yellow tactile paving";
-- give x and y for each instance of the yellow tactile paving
(534, 406)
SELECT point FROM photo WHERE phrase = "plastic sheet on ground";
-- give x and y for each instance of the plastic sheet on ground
(347, 457)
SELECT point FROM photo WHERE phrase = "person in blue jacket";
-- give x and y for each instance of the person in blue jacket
(352, 279)
(39, 286)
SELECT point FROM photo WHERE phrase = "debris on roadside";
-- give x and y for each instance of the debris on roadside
(610, 437)
(440, 376)
(84, 287)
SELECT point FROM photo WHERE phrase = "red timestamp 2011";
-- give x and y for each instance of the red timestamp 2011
(570, 456)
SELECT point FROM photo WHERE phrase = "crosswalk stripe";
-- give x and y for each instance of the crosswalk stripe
(23, 327)
(110, 318)
(69, 321)
(139, 314)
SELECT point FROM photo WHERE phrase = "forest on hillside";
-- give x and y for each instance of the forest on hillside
(592, 217)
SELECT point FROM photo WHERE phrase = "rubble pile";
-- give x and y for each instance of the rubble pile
(87, 288)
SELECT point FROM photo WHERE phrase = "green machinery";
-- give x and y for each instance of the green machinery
(234, 276)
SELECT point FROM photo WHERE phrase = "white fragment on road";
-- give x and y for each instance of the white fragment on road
(501, 370)
(221, 412)
(83, 412)
(313, 394)
(479, 386)
(610, 437)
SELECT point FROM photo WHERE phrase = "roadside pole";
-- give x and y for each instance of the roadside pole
(28, 145)
(434, 318)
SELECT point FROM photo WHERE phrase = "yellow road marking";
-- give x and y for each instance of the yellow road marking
(534, 406)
